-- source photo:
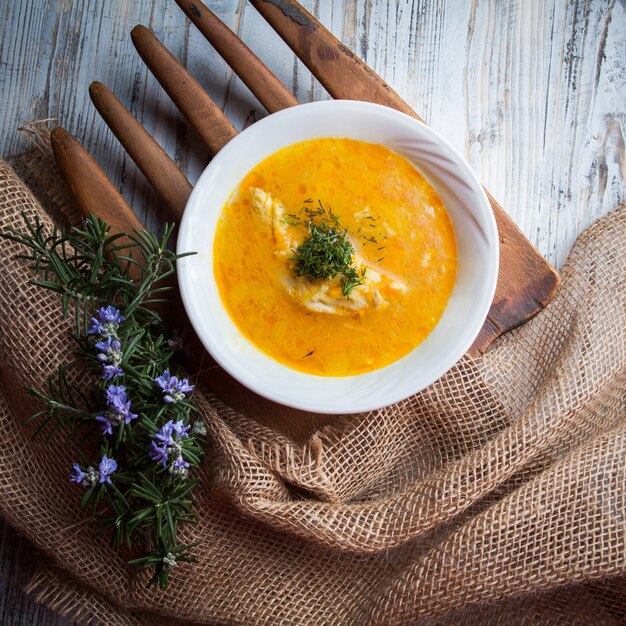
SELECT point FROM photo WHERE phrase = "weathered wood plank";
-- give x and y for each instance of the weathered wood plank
(17, 565)
(529, 92)
(544, 122)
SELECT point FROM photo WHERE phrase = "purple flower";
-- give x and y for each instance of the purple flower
(105, 326)
(119, 403)
(107, 467)
(88, 478)
(110, 315)
(125, 413)
(180, 464)
(171, 437)
(95, 326)
(77, 475)
(165, 434)
(110, 349)
(111, 371)
(180, 429)
(180, 468)
(108, 345)
(158, 453)
(119, 409)
(116, 395)
(107, 424)
(110, 356)
(173, 389)
(106, 323)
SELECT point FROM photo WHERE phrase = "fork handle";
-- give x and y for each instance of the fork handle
(100, 196)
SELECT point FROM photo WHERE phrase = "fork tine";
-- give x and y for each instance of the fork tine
(187, 94)
(162, 173)
(92, 190)
(89, 185)
(270, 92)
(340, 71)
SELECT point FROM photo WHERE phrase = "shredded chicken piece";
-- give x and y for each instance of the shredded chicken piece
(272, 212)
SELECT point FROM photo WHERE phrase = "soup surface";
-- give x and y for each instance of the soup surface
(343, 206)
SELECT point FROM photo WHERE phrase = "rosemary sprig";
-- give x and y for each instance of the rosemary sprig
(327, 251)
(139, 484)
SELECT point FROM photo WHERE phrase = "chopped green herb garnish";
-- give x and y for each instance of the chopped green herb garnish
(327, 251)
(351, 279)
(292, 219)
(327, 215)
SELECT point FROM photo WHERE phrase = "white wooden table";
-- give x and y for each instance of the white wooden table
(531, 92)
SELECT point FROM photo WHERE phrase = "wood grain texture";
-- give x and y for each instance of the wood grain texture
(531, 92)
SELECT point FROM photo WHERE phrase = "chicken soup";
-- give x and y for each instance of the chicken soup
(335, 257)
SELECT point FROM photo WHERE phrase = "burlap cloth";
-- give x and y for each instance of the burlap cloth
(496, 496)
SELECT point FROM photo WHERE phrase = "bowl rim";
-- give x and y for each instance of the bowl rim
(239, 373)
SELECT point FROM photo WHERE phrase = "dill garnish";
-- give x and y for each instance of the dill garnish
(351, 278)
(327, 251)
(292, 219)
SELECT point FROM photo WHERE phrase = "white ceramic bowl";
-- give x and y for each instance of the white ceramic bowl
(467, 206)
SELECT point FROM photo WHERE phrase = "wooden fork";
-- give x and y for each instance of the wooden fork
(526, 281)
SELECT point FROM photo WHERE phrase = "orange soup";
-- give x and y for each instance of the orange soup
(335, 257)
